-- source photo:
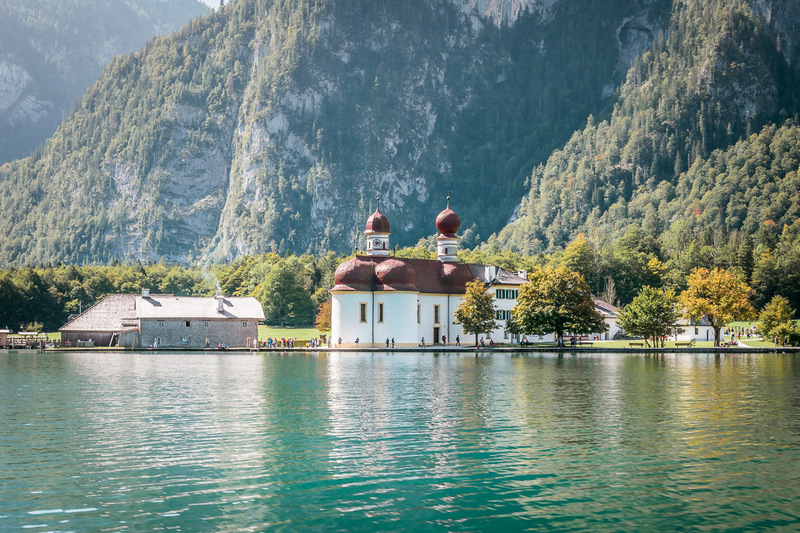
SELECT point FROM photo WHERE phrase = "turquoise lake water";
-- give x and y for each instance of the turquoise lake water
(406, 441)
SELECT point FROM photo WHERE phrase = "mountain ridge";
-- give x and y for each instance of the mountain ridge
(53, 50)
(271, 126)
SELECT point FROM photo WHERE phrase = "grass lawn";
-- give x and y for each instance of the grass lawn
(758, 343)
(289, 333)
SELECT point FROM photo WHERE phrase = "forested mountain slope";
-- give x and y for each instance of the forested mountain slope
(271, 125)
(704, 134)
(52, 50)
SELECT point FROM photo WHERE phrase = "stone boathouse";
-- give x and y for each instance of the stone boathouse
(165, 321)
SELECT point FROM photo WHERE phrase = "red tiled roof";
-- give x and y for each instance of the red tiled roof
(362, 273)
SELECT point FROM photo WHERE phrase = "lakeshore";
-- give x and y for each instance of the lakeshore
(460, 349)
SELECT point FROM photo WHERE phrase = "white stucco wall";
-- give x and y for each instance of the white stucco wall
(695, 333)
(399, 320)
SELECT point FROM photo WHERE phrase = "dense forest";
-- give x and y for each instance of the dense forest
(292, 288)
(704, 131)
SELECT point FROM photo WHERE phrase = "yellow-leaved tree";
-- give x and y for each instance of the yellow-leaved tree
(717, 295)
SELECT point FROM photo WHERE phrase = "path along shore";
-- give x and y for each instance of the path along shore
(742, 348)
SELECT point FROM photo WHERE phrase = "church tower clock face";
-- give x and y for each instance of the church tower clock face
(376, 242)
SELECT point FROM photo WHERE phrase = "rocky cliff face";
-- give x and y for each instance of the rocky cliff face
(50, 52)
(19, 103)
(508, 11)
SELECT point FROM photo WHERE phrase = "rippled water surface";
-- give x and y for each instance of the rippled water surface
(411, 441)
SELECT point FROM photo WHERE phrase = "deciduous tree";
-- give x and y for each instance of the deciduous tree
(476, 311)
(652, 313)
(579, 257)
(323, 320)
(555, 301)
(717, 295)
(285, 301)
(776, 319)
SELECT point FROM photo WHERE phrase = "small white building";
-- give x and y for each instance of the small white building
(610, 315)
(693, 330)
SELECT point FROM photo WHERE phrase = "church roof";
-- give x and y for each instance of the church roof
(448, 222)
(365, 273)
(377, 223)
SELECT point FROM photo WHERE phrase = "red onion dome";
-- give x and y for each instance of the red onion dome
(395, 275)
(448, 222)
(354, 275)
(377, 223)
(455, 276)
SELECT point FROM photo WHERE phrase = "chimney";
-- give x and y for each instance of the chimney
(220, 301)
(145, 293)
(523, 274)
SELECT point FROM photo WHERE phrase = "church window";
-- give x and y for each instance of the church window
(380, 312)
(363, 313)
(419, 314)
(435, 314)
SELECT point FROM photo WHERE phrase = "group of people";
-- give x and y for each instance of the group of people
(279, 343)
(444, 341)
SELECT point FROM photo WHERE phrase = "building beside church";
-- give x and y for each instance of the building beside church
(165, 321)
(377, 297)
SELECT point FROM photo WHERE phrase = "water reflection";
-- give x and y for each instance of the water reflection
(365, 441)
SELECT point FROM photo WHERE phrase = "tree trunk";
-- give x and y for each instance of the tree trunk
(716, 335)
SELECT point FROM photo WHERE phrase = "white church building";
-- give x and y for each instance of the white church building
(378, 297)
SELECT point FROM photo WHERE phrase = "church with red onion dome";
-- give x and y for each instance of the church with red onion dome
(407, 302)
